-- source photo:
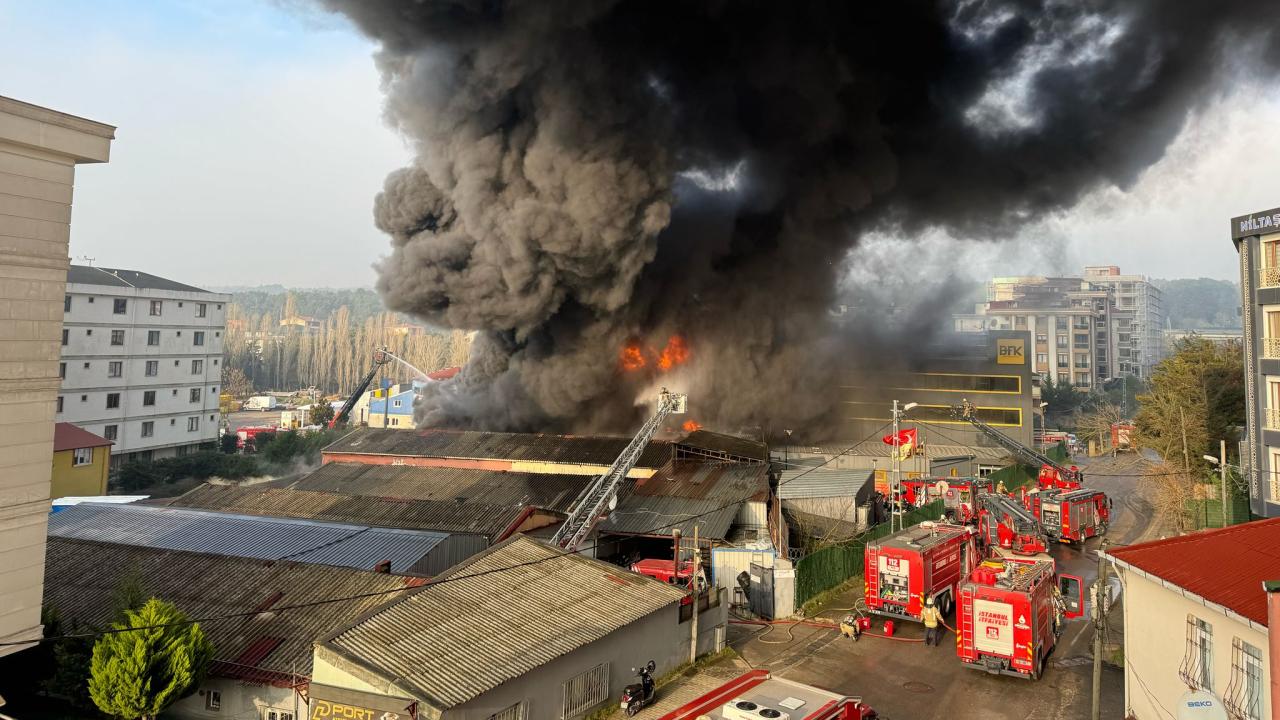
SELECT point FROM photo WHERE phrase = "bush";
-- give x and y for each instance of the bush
(201, 466)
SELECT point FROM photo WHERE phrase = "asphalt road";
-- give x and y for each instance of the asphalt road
(902, 678)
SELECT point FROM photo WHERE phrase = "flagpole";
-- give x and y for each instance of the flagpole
(896, 489)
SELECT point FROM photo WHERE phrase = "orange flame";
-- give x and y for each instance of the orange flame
(690, 426)
(631, 358)
(675, 353)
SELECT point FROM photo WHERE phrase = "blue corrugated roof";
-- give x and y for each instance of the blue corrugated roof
(263, 538)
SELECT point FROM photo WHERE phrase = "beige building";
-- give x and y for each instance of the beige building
(1195, 620)
(39, 151)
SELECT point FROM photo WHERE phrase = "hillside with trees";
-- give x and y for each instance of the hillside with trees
(1201, 303)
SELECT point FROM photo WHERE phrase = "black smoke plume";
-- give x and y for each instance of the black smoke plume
(593, 174)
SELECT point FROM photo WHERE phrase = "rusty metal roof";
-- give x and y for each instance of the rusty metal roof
(1226, 566)
(728, 445)
(567, 449)
(484, 625)
(81, 577)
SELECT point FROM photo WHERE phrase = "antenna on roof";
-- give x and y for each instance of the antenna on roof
(87, 259)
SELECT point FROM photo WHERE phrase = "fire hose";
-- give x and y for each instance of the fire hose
(822, 625)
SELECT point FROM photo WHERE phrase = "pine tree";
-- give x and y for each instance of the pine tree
(136, 674)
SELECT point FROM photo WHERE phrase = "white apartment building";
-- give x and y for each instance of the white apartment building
(1142, 346)
(39, 151)
(141, 361)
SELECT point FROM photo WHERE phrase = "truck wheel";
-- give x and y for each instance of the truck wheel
(1039, 668)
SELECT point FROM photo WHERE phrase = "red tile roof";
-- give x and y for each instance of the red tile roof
(444, 374)
(69, 437)
(1226, 566)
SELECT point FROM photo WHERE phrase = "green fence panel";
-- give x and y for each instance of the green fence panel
(826, 568)
(1058, 453)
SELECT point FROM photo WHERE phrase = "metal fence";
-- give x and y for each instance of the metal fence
(826, 568)
(1211, 512)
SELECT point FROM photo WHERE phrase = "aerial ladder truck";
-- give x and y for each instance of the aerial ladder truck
(601, 496)
(380, 357)
(1052, 476)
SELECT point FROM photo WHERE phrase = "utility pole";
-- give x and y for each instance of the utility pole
(1099, 626)
(896, 487)
(1186, 457)
(697, 565)
(1222, 466)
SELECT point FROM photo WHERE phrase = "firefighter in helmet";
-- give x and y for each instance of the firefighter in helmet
(932, 619)
(1000, 488)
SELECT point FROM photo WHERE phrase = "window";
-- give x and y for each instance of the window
(219, 306)
(149, 397)
(153, 368)
(1062, 361)
(175, 393)
(148, 428)
(217, 334)
(966, 383)
(90, 299)
(86, 366)
(215, 362)
(84, 398)
(199, 338)
(62, 372)
(1042, 337)
(88, 332)
(117, 337)
(81, 456)
(201, 309)
(1064, 378)
(1082, 339)
(66, 303)
(395, 403)
(173, 422)
(59, 403)
(1243, 697)
(113, 401)
(1062, 341)
(110, 431)
(515, 712)
(1196, 669)
(212, 700)
(195, 395)
(197, 367)
(1042, 358)
(274, 714)
(119, 306)
(585, 691)
(193, 424)
(65, 334)
(115, 368)
(156, 306)
(153, 337)
(1082, 379)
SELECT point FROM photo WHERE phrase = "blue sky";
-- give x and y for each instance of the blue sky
(251, 144)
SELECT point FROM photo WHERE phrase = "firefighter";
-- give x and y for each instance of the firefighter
(931, 618)
(1001, 489)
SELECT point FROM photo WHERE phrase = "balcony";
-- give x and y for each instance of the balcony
(1273, 418)
(1271, 347)
(1269, 277)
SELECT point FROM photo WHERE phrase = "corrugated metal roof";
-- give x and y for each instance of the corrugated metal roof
(821, 482)
(82, 576)
(570, 449)
(263, 538)
(715, 442)
(450, 517)
(494, 487)
(1226, 566)
(115, 277)
(448, 643)
(875, 448)
(647, 515)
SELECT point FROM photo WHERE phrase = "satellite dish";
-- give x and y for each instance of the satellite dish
(942, 487)
(1200, 705)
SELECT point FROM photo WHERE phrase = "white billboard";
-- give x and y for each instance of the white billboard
(993, 627)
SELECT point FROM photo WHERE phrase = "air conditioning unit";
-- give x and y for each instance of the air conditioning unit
(741, 709)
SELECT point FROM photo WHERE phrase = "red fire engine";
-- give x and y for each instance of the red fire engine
(664, 570)
(245, 436)
(1004, 523)
(1070, 516)
(927, 560)
(956, 493)
(1011, 613)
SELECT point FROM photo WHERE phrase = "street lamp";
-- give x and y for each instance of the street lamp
(1222, 465)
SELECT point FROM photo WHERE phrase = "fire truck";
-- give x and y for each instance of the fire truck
(1051, 476)
(957, 494)
(1011, 613)
(1070, 515)
(926, 560)
(1004, 523)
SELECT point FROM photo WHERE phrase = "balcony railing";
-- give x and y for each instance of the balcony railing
(1269, 277)
(1273, 418)
(1271, 347)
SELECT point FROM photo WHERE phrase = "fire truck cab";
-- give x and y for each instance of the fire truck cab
(1070, 516)
(664, 570)
(1011, 614)
(927, 560)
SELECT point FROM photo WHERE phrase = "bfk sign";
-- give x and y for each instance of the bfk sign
(1010, 352)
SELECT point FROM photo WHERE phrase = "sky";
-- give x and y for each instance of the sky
(251, 143)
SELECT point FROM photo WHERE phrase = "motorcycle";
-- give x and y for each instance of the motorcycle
(637, 695)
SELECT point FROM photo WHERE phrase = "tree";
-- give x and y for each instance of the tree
(155, 659)
(1094, 425)
(1063, 399)
(235, 382)
(1196, 398)
(321, 413)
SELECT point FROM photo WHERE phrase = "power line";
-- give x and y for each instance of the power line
(431, 583)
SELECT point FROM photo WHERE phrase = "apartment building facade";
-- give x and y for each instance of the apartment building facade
(141, 361)
(1257, 240)
(1141, 346)
(1073, 326)
(39, 151)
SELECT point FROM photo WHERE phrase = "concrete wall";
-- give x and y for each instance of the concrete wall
(1158, 616)
(39, 149)
(240, 701)
(659, 637)
(71, 479)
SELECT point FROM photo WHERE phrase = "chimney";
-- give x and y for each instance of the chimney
(1273, 643)
(383, 567)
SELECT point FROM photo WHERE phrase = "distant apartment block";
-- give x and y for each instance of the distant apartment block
(1257, 240)
(39, 151)
(1085, 330)
(141, 361)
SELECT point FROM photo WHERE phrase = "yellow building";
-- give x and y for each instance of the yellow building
(79, 462)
